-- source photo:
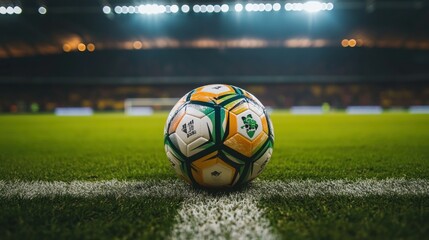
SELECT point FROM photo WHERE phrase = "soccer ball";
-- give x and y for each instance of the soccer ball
(218, 136)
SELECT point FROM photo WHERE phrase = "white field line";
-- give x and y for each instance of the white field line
(204, 215)
(222, 217)
(176, 188)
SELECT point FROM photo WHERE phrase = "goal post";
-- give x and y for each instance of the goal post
(147, 106)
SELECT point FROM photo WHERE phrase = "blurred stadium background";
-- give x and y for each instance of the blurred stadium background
(69, 53)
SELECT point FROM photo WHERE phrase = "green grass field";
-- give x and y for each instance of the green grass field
(105, 147)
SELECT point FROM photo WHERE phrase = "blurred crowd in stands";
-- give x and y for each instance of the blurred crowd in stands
(45, 98)
(103, 80)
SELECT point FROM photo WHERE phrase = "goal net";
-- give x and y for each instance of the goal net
(147, 106)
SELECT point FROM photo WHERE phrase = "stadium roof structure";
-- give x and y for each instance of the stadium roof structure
(46, 27)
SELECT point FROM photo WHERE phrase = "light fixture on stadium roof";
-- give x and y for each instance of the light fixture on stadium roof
(277, 7)
(313, 6)
(118, 10)
(185, 8)
(196, 8)
(131, 9)
(174, 8)
(248, 7)
(106, 10)
(210, 8)
(124, 9)
(163, 9)
(297, 7)
(9, 10)
(17, 10)
(224, 8)
(310, 6)
(216, 8)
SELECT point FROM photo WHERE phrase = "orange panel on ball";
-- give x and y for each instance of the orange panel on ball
(213, 172)
(240, 144)
(233, 125)
(203, 97)
(175, 122)
(264, 124)
(211, 93)
(197, 165)
(240, 108)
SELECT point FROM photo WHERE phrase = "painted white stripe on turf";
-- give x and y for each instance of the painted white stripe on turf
(87, 189)
(232, 216)
(205, 215)
(177, 188)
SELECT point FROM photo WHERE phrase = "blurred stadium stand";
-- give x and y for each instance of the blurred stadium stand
(364, 52)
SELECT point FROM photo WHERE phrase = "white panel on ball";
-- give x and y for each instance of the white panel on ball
(190, 128)
(198, 111)
(260, 164)
(215, 88)
(175, 163)
(195, 146)
(179, 143)
(250, 125)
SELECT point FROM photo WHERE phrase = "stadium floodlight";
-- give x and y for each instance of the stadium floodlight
(297, 7)
(131, 9)
(118, 9)
(203, 8)
(248, 7)
(106, 10)
(174, 8)
(288, 6)
(255, 7)
(168, 9)
(185, 8)
(17, 10)
(224, 8)
(238, 7)
(329, 6)
(9, 10)
(2, 10)
(276, 7)
(210, 8)
(149, 9)
(268, 7)
(196, 8)
(141, 9)
(124, 9)
(163, 9)
(313, 6)
(261, 7)
(216, 8)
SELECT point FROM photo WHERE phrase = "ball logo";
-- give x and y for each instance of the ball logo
(216, 173)
(250, 125)
(189, 128)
